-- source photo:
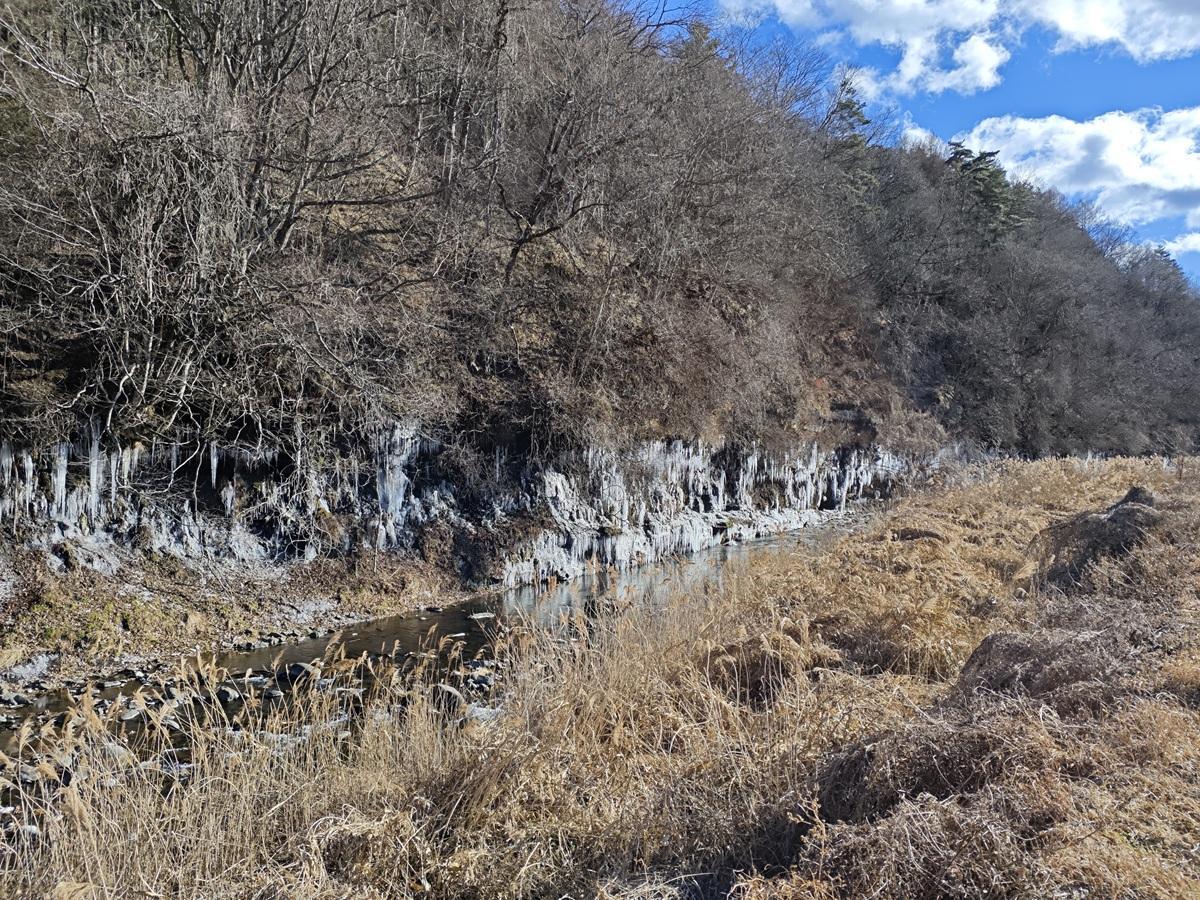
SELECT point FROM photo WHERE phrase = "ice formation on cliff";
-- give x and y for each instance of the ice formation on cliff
(674, 498)
(602, 507)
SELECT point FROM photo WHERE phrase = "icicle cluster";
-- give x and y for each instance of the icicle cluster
(202, 499)
(608, 508)
(93, 494)
(674, 498)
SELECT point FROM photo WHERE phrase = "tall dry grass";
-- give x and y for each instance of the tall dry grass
(696, 747)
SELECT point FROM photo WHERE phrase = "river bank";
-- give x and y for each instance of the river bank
(87, 624)
(864, 720)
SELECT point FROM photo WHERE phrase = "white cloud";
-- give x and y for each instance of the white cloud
(924, 31)
(979, 59)
(1185, 243)
(961, 45)
(1145, 29)
(913, 135)
(1139, 167)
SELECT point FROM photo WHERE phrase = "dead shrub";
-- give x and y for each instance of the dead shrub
(938, 757)
(752, 669)
(1067, 549)
(929, 848)
(1036, 664)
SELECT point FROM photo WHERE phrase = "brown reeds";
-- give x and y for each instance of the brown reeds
(800, 732)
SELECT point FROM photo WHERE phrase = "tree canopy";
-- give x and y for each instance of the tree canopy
(536, 225)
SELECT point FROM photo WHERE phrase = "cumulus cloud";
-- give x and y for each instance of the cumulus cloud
(1139, 166)
(1146, 29)
(961, 45)
(978, 60)
(1185, 243)
(943, 44)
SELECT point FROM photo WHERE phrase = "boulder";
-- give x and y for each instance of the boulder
(227, 693)
(296, 673)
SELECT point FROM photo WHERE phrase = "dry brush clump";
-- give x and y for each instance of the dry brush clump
(752, 668)
(1063, 758)
(919, 589)
(721, 742)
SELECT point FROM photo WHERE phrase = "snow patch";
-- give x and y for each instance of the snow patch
(34, 667)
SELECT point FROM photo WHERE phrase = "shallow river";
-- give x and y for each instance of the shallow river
(274, 668)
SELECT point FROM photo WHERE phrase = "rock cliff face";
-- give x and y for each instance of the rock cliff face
(84, 501)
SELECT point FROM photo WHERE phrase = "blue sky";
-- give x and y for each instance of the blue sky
(1097, 98)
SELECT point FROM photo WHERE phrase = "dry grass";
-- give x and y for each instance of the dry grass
(917, 592)
(799, 733)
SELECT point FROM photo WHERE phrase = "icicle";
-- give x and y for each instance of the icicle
(60, 480)
(95, 477)
(27, 480)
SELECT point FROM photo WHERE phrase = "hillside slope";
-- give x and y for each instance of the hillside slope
(286, 226)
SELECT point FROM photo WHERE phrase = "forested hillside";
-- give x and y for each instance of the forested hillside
(535, 226)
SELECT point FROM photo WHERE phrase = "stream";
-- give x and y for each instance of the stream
(273, 671)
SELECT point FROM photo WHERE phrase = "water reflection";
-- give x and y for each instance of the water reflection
(706, 570)
(472, 623)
